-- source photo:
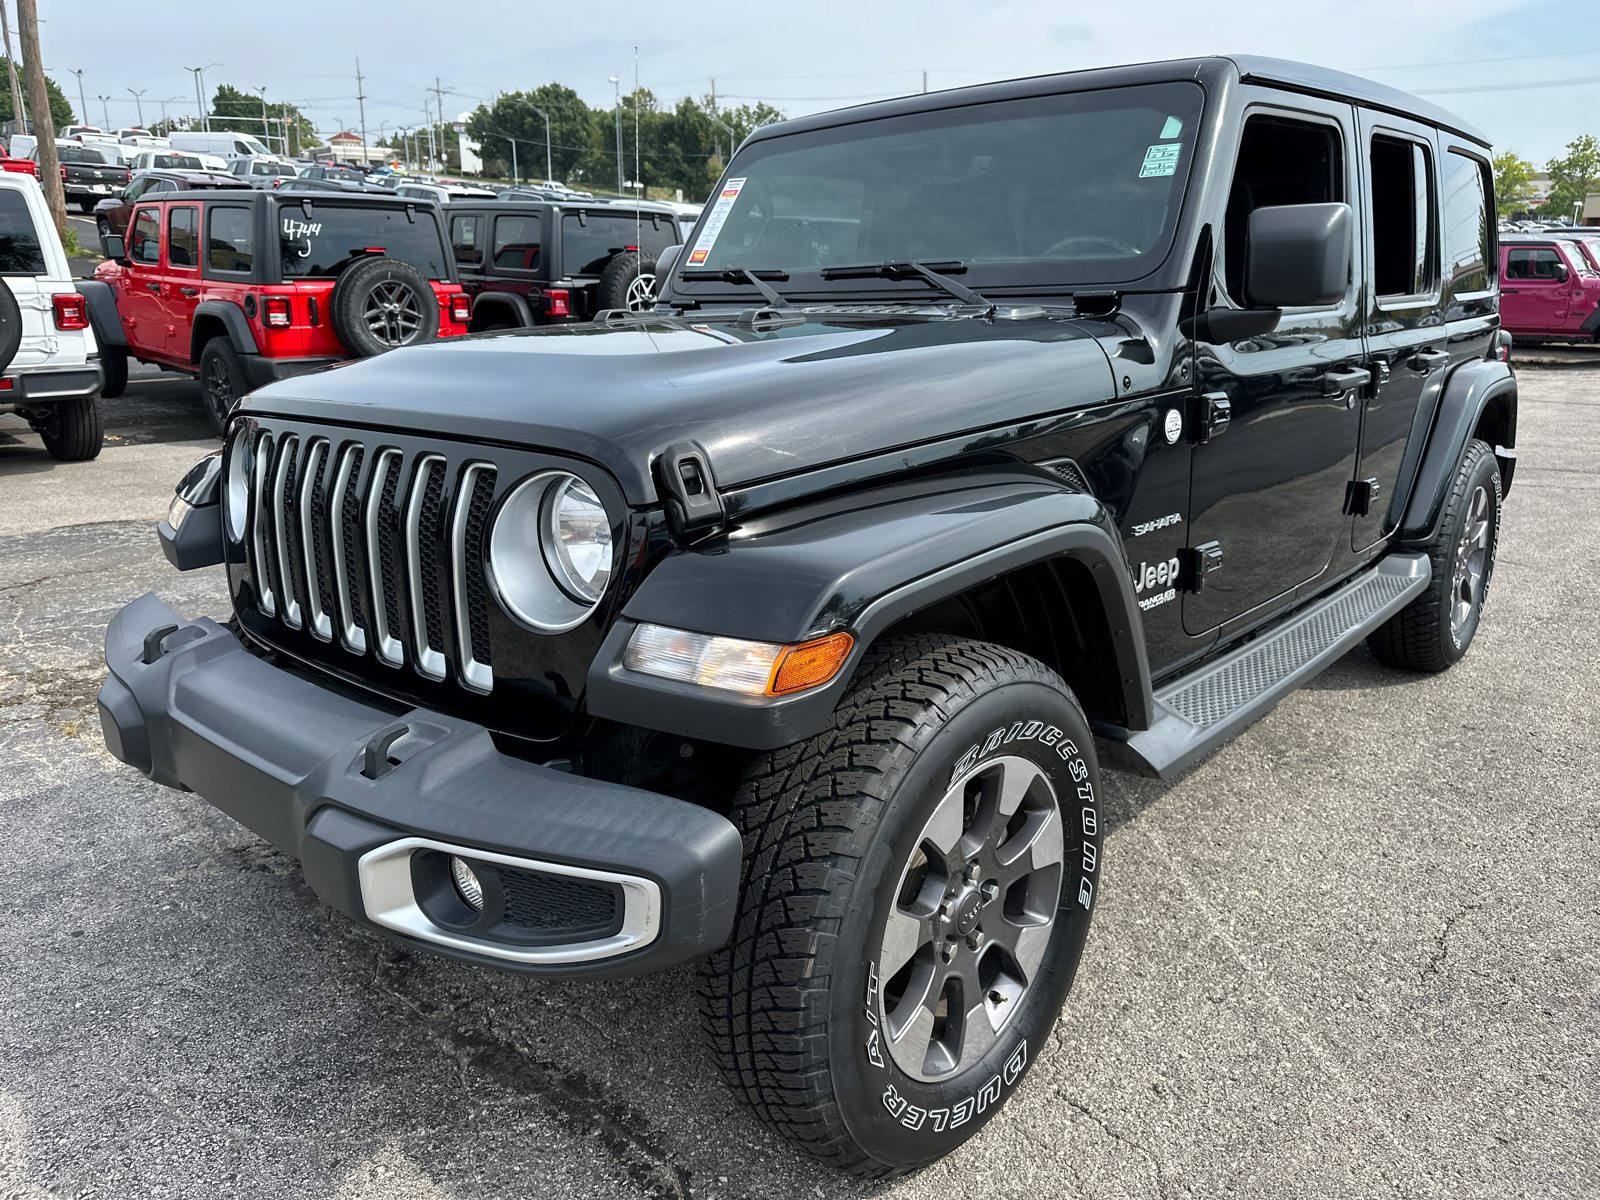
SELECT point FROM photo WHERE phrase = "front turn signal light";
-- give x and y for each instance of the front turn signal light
(735, 664)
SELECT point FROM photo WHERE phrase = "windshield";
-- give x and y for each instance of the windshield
(1067, 188)
(80, 154)
(322, 239)
(176, 161)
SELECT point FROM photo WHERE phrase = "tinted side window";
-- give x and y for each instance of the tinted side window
(1533, 262)
(146, 245)
(183, 237)
(466, 240)
(516, 243)
(20, 252)
(230, 241)
(137, 188)
(1403, 222)
(587, 244)
(1466, 258)
(1281, 161)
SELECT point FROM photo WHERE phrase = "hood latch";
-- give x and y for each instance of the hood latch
(687, 491)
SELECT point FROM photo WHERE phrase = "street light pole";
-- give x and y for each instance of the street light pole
(138, 98)
(104, 111)
(549, 173)
(199, 74)
(266, 130)
(83, 104)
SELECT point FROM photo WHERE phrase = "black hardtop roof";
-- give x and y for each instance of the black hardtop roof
(648, 206)
(1249, 68)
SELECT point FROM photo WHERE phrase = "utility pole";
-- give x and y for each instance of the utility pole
(33, 62)
(138, 98)
(18, 112)
(438, 92)
(362, 101)
(105, 112)
(616, 84)
(924, 82)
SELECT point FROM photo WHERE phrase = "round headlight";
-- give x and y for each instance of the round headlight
(237, 497)
(577, 540)
(550, 551)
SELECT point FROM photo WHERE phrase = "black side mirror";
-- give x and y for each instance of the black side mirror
(1298, 255)
(111, 246)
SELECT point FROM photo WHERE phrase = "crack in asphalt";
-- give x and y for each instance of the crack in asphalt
(1155, 1163)
(567, 1095)
(1441, 941)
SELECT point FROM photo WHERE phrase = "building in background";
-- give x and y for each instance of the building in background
(471, 159)
(346, 147)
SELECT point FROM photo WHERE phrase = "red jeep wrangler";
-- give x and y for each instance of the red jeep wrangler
(244, 287)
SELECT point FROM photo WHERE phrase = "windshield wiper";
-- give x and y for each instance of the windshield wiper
(933, 273)
(743, 275)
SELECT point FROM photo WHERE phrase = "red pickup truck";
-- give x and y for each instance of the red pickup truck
(241, 287)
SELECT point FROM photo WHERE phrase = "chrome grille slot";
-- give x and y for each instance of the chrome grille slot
(282, 522)
(383, 523)
(375, 549)
(312, 508)
(467, 533)
(260, 528)
(345, 524)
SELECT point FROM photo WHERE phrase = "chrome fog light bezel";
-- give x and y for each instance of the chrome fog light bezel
(520, 566)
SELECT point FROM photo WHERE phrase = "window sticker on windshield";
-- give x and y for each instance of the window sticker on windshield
(714, 223)
(1161, 160)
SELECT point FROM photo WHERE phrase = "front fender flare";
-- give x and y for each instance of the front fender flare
(817, 569)
(1472, 388)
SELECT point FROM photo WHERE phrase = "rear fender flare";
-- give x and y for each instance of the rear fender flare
(1479, 393)
(234, 323)
(104, 319)
(860, 564)
(516, 305)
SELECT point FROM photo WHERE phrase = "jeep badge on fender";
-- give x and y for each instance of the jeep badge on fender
(784, 617)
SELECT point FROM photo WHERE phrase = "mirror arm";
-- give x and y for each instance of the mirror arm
(1219, 325)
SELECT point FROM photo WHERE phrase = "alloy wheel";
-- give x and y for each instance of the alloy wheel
(971, 918)
(1472, 556)
(218, 389)
(392, 312)
(641, 293)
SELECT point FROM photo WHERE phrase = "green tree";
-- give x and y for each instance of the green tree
(1513, 184)
(61, 112)
(1574, 176)
(514, 116)
(241, 111)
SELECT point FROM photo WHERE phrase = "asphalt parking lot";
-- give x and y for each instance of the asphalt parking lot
(1355, 953)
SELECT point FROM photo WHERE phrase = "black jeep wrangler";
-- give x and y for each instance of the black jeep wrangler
(980, 440)
(531, 262)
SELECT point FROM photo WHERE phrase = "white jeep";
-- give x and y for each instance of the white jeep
(48, 352)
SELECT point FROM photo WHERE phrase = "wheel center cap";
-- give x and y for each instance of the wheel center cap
(967, 910)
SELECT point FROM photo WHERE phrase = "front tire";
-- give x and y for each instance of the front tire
(1433, 632)
(918, 883)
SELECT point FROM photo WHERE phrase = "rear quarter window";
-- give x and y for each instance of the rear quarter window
(20, 251)
(320, 242)
(230, 239)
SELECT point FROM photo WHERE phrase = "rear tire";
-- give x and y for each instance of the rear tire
(892, 972)
(74, 431)
(222, 383)
(86, 207)
(114, 365)
(629, 281)
(1433, 632)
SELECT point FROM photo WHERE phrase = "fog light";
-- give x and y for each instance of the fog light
(466, 883)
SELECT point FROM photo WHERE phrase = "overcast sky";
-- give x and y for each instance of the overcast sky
(809, 56)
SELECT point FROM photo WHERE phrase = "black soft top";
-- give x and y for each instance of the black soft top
(1247, 68)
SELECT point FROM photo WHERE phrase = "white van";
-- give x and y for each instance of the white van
(227, 144)
(54, 379)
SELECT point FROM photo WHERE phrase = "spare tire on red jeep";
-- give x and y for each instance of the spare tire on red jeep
(380, 304)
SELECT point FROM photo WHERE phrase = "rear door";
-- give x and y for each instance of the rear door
(1536, 288)
(1407, 338)
(181, 288)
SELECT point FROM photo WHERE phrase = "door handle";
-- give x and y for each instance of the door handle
(1213, 411)
(189, 291)
(1429, 360)
(1336, 382)
(154, 287)
(1509, 291)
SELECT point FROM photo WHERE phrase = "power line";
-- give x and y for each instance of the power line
(1510, 87)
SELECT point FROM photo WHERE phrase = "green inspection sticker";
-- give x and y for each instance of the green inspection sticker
(1161, 160)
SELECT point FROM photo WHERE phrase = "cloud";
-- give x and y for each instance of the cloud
(1076, 32)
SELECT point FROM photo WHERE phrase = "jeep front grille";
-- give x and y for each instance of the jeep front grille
(373, 551)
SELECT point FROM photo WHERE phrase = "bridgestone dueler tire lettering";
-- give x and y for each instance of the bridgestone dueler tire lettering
(349, 296)
(828, 826)
(73, 431)
(1418, 637)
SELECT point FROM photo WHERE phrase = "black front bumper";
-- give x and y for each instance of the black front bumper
(308, 769)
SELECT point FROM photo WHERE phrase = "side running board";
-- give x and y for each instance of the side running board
(1196, 713)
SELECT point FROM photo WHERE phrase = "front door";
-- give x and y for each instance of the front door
(181, 288)
(1535, 290)
(140, 300)
(1267, 493)
(1408, 347)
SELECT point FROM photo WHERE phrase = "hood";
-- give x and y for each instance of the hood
(764, 405)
